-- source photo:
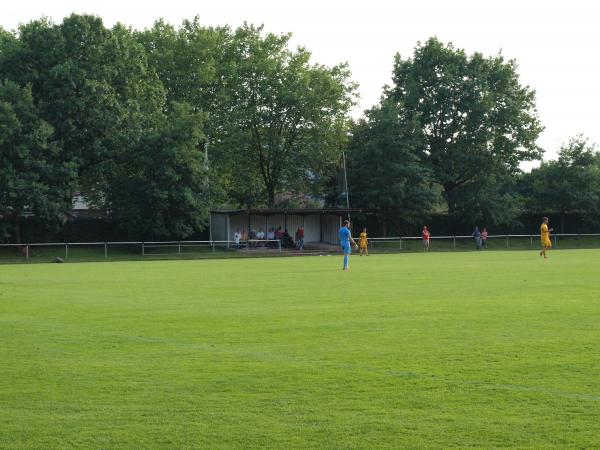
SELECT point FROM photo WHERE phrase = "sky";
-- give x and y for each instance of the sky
(556, 44)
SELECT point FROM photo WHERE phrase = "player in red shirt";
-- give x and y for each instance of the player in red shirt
(425, 234)
(300, 234)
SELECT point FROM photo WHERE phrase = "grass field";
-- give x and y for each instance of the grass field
(472, 349)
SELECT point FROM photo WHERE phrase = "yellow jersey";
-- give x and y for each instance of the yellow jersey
(545, 235)
(362, 243)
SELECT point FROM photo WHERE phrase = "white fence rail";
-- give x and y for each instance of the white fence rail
(158, 248)
(148, 248)
(455, 241)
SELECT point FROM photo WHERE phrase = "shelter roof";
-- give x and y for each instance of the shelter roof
(294, 211)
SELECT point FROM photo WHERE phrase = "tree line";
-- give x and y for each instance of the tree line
(155, 127)
(449, 136)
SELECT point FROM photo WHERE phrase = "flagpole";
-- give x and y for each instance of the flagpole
(346, 184)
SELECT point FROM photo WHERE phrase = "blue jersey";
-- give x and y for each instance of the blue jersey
(344, 234)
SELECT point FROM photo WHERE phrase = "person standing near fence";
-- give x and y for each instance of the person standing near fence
(363, 244)
(301, 238)
(477, 238)
(545, 237)
(425, 235)
(260, 236)
(236, 238)
(345, 239)
(484, 236)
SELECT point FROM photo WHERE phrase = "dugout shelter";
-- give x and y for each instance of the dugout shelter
(321, 225)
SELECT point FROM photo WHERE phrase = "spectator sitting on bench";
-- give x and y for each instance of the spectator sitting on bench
(271, 237)
(260, 236)
(287, 241)
(279, 234)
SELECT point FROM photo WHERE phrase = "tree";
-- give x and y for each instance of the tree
(490, 200)
(476, 121)
(137, 155)
(569, 184)
(92, 85)
(275, 119)
(192, 62)
(8, 45)
(284, 116)
(385, 172)
(161, 187)
(34, 177)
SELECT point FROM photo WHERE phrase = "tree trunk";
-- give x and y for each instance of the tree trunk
(271, 195)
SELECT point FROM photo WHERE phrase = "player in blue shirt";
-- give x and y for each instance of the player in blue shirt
(345, 240)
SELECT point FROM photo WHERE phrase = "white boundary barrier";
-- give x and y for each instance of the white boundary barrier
(266, 244)
(533, 238)
(144, 246)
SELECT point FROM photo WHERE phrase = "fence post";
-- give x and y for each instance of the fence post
(507, 241)
(454, 242)
(555, 240)
(66, 250)
(27, 252)
(105, 250)
(400, 242)
(179, 247)
(143, 249)
(212, 245)
(530, 240)
(279, 244)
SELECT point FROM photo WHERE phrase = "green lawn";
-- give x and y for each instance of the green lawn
(467, 349)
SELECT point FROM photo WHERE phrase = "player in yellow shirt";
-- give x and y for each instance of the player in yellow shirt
(545, 237)
(362, 243)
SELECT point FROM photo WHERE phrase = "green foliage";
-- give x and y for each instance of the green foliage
(569, 184)
(92, 85)
(476, 121)
(385, 173)
(490, 201)
(274, 120)
(109, 114)
(8, 45)
(287, 116)
(191, 62)
(34, 176)
(160, 188)
(271, 120)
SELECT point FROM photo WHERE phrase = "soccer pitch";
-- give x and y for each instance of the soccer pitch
(479, 349)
